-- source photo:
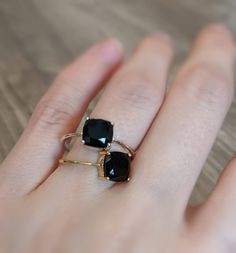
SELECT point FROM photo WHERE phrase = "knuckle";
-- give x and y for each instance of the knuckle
(140, 91)
(49, 114)
(208, 84)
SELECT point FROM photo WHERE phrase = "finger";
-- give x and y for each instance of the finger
(180, 139)
(59, 111)
(131, 101)
(219, 210)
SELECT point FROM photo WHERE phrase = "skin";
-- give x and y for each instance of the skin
(50, 208)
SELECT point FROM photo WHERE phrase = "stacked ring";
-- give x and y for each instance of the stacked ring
(98, 133)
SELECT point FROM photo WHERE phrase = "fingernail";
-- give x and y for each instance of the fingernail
(111, 50)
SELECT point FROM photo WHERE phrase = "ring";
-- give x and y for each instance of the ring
(98, 133)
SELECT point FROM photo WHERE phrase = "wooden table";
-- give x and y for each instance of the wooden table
(38, 37)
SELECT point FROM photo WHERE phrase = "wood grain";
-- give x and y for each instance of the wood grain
(37, 38)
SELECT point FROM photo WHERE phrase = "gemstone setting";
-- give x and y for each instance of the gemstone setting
(97, 133)
(116, 166)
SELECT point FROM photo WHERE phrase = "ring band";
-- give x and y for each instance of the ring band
(69, 136)
(98, 133)
(66, 161)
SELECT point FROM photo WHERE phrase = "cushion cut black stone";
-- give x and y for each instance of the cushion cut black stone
(117, 166)
(97, 133)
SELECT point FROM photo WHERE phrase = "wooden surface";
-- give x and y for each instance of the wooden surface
(38, 37)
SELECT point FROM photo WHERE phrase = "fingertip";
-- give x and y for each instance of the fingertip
(217, 34)
(219, 28)
(111, 50)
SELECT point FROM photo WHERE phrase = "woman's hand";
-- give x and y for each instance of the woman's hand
(46, 208)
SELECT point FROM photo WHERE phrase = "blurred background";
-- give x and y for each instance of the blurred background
(39, 37)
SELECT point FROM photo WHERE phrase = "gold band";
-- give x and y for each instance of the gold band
(99, 164)
(128, 149)
(66, 161)
(65, 138)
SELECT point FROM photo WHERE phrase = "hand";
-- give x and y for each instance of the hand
(50, 208)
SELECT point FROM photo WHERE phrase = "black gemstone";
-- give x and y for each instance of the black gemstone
(117, 166)
(97, 133)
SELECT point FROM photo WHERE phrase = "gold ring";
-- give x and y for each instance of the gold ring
(98, 133)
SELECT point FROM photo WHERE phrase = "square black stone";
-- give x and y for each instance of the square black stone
(97, 133)
(117, 166)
